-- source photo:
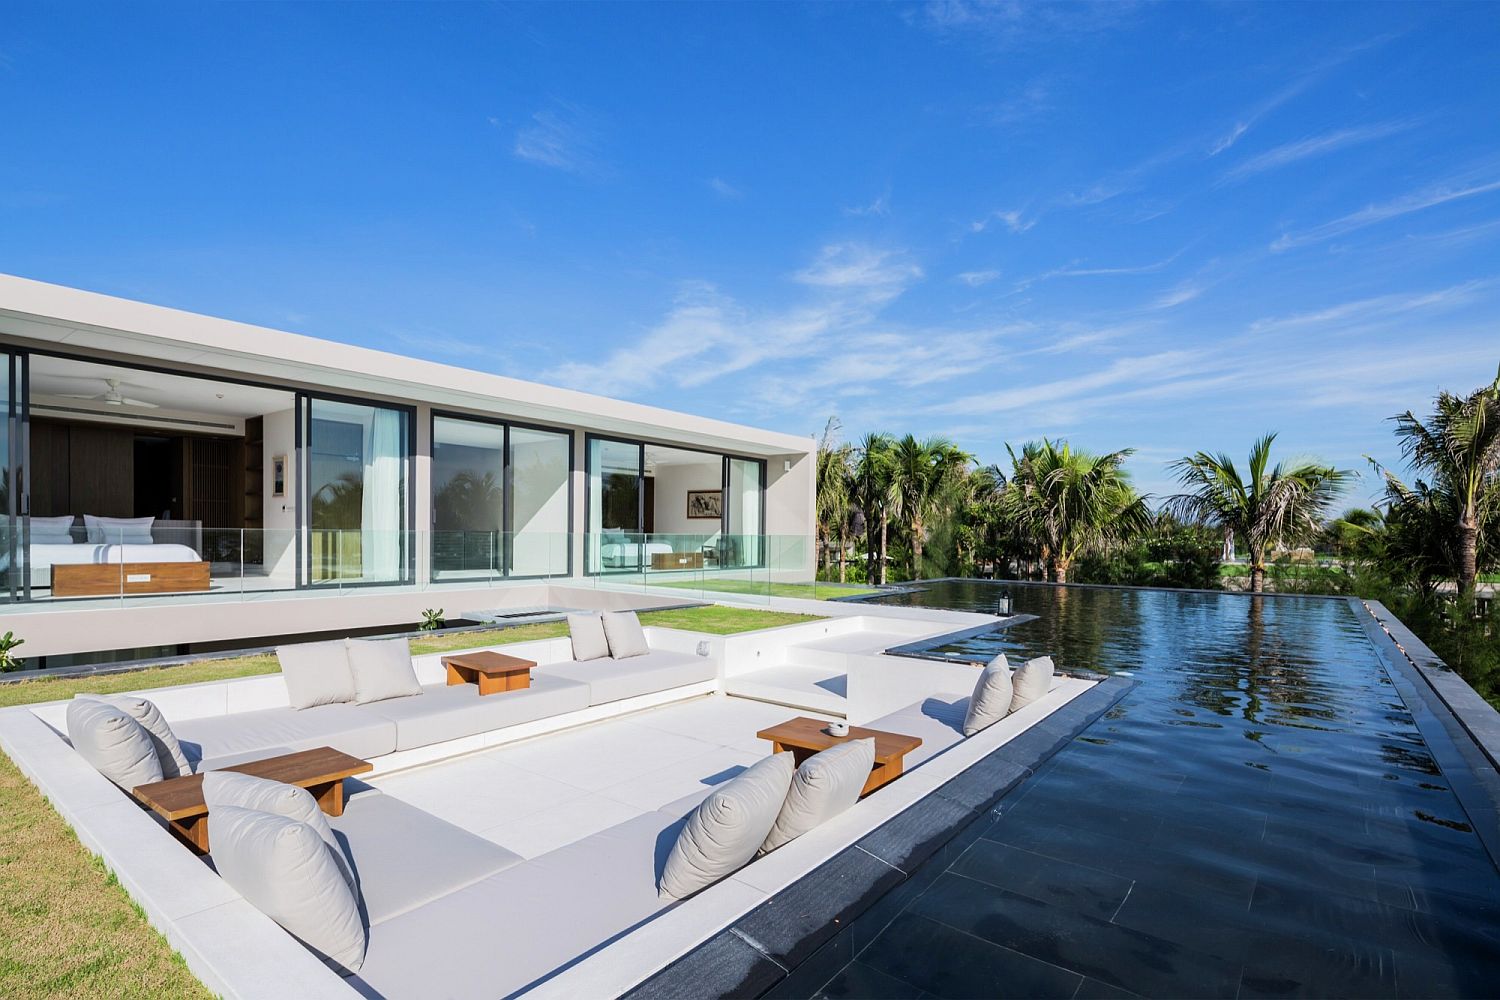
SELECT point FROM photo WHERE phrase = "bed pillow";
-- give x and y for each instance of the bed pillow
(1031, 682)
(382, 669)
(825, 785)
(174, 763)
(587, 633)
(316, 673)
(626, 637)
(119, 530)
(117, 745)
(230, 788)
(723, 833)
(285, 870)
(52, 530)
(992, 697)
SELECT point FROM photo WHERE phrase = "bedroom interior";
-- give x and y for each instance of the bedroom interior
(144, 482)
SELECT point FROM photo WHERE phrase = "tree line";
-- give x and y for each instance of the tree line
(902, 508)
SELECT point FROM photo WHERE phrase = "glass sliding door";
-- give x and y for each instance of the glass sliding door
(13, 525)
(356, 492)
(468, 499)
(615, 499)
(540, 519)
(744, 491)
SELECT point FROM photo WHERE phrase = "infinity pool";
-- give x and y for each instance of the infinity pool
(1260, 817)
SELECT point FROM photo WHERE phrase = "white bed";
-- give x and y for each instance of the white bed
(43, 557)
(618, 555)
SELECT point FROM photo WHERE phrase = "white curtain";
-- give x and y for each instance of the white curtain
(380, 525)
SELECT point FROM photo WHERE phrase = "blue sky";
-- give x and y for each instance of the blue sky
(1164, 226)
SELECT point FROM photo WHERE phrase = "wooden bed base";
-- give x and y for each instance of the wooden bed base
(109, 579)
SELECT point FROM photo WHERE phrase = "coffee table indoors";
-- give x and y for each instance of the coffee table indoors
(804, 737)
(493, 672)
(179, 801)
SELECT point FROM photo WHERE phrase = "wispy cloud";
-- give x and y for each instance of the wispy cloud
(1013, 219)
(1078, 269)
(1252, 116)
(724, 189)
(974, 279)
(1370, 215)
(1179, 294)
(1376, 309)
(707, 335)
(1011, 23)
(1032, 100)
(881, 205)
(1312, 146)
(563, 136)
(1154, 369)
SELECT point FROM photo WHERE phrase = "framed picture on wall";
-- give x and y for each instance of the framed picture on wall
(278, 476)
(705, 504)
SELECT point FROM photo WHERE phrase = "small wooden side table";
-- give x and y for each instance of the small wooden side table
(805, 737)
(179, 801)
(493, 672)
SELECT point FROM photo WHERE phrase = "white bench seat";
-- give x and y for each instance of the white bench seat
(220, 740)
(442, 712)
(609, 679)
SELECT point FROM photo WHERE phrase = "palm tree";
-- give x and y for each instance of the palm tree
(833, 495)
(925, 474)
(1072, 502)
(871, 491)
(1458, 446)
(1280, 503)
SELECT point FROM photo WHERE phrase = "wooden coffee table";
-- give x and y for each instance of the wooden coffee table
(805, 737)
(493, 672)
(179, 801)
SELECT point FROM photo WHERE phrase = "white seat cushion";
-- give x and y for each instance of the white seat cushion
(107, 737)
(316, 673)
(174, 762)
(587, 633)
(625, 635)
(285, 870)
(1031, 682)
(381, 669)
(230, 788)
(404, 857)
(242, 736)
(723, 833)
(444, 712)
(548, 911)
(936, 721)
(612, 680)
(825, 785)
(992, 696)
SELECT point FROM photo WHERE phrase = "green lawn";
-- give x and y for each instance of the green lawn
(67, 928)
(820, 591)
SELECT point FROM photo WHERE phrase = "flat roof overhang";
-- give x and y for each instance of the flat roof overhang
(69, 319)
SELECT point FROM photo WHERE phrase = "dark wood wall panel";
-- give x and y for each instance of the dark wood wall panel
(50, 496)
(101, 467)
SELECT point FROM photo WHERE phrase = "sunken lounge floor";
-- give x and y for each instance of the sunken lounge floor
(538, 795)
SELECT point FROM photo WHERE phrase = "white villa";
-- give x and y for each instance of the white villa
(155, 458)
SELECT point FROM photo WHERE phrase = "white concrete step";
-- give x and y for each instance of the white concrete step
(834, 651)
(816, 690)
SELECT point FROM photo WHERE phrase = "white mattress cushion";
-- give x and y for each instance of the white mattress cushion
(936, 721)
(230, 788)
(626, 637)
(381, 669)
(992, 696)
(446, 712)
(612, 680)
(405, 858)
(587, 633)
(216, 740)
(174, 762)
(107, 737)
(825, 785)
(1031, 681)
(316, 673)
(724, 832)
(286, 871)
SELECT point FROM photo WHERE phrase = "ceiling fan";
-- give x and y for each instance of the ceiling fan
(112, 396)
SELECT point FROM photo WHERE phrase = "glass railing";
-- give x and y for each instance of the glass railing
(184, 560)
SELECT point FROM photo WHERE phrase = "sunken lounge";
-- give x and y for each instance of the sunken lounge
(558, 817)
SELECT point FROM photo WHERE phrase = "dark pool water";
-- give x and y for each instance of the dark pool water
(1260, 817)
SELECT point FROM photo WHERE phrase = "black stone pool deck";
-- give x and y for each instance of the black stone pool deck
(1285, 805)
